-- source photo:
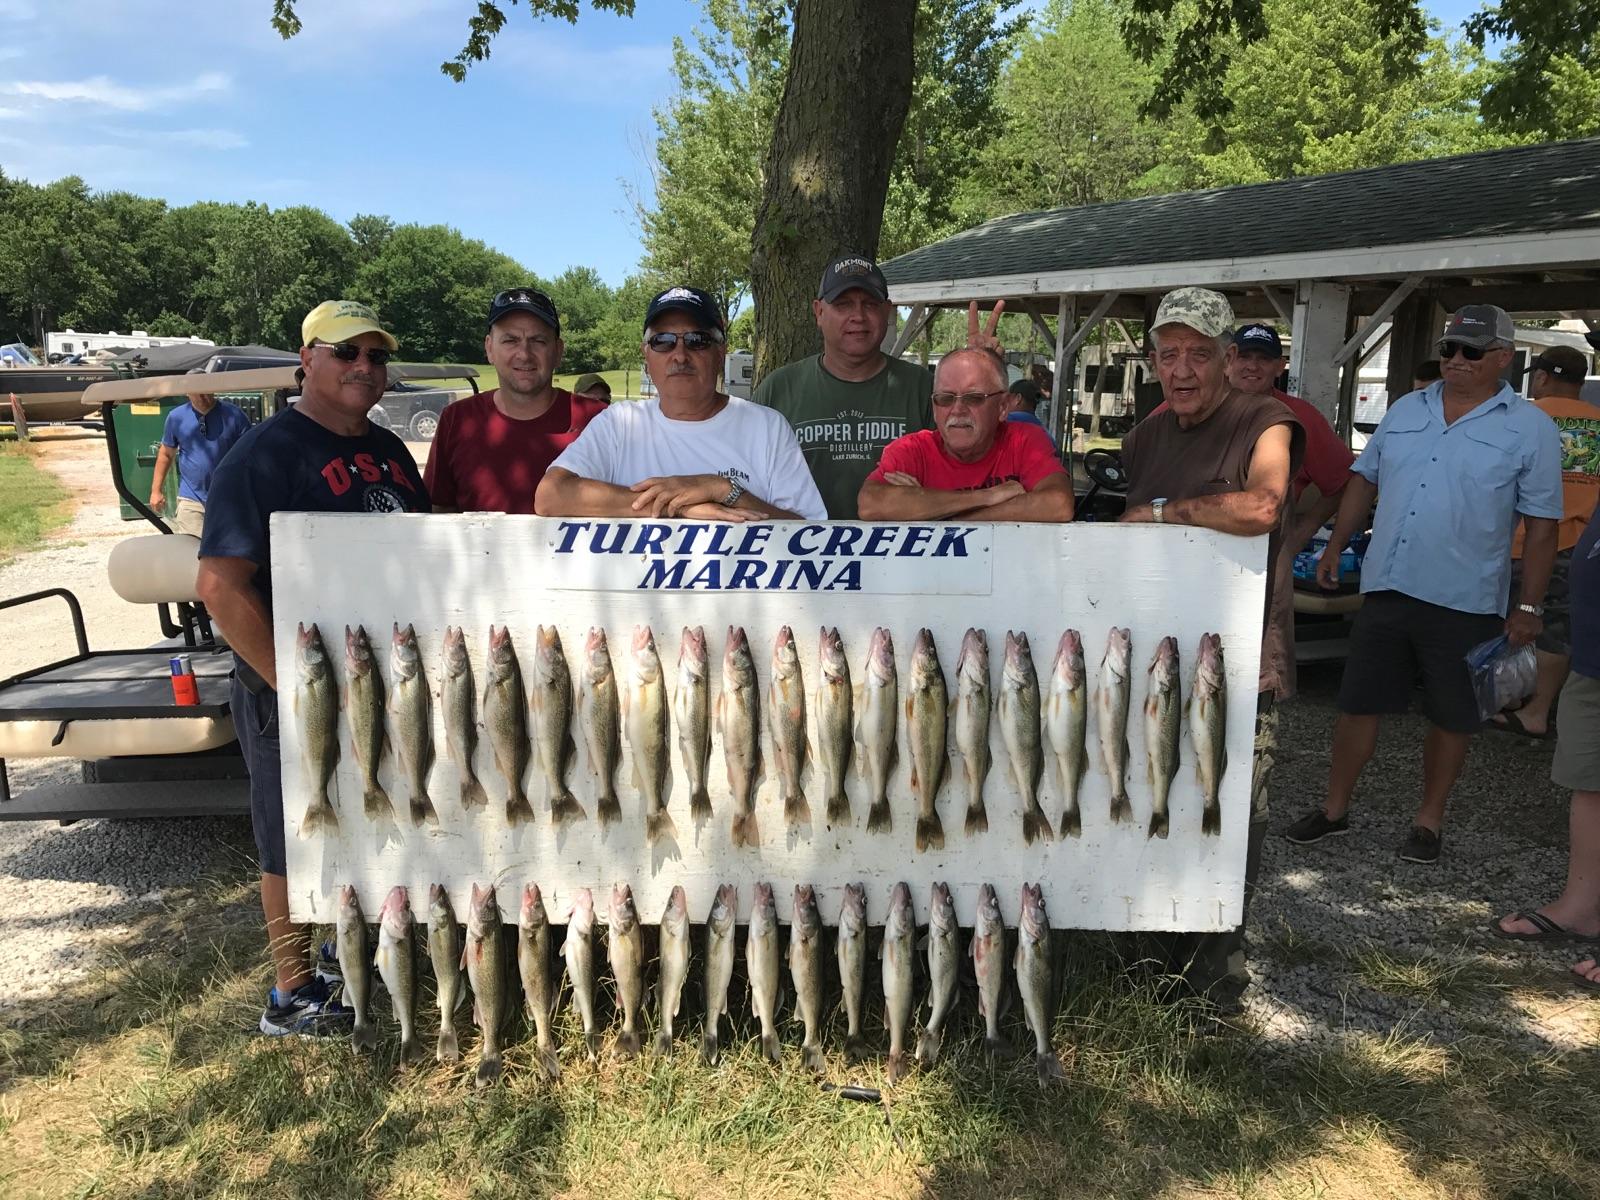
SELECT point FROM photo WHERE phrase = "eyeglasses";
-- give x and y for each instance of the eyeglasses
(970, 399)
(345, 352)
(1448, 350)
(693, 340)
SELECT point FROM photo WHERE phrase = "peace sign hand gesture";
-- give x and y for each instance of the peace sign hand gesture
(985, 339)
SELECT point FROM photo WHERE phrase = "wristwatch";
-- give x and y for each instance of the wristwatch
(735, 490)
(1536, 609)
(1158, 508)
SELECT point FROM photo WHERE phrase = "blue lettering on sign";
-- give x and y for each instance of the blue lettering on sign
(690, 557)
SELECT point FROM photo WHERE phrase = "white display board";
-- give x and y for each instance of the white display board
(472, 570)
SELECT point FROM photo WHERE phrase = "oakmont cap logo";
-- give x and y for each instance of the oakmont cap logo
(1479, 325)
(852, 271)
(335, 321)
(1201, 309)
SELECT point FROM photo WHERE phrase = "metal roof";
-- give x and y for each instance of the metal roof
(1521, 191)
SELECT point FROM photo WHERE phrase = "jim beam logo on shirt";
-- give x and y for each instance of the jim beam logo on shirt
(850, 435)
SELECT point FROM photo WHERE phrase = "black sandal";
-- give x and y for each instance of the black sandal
(1547, 930)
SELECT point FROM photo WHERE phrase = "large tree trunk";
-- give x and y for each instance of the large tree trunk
(827, 171)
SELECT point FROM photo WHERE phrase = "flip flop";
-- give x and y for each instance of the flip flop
(1584, 982)
(1509, 722)
(1547, 930)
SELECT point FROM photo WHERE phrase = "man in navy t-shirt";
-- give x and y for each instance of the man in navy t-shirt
(198, 435)
(322, 455)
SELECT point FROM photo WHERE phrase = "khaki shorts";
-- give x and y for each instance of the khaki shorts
(1577, 759)
(189, 518)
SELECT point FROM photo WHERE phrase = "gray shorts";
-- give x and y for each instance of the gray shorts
(1577, 758)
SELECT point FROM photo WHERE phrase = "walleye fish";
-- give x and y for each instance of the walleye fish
(875, 728)
(1208, 725)
(1019, 727)
(483, 956)
(411, 721)
(691, 704)
(786, 720)
(397, 966)
(363, 704)
(943, 954)
(444, 949)
(316, 702)
(761, 963)
(927, 718)
(578, 951)
(644, 714)
(738, 710)
(1066, 717)
(541, 982)
(851, 949)
(1033, 980)
(506, 718)
(626, 945)
(461, 716)
(1111, 705)
(1161, 721)
(805, 969)
(674, 965)
(833, 723)
(899, 939)
(355, 964)
(602, 722)
(972, 723)
(552, 724)
(989, 965)
(719, 966)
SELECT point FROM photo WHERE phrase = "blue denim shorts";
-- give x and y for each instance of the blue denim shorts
(255, 722)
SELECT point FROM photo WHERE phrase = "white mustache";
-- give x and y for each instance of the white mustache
(681, 371)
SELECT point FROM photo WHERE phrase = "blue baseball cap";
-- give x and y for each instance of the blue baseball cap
(1257, 338)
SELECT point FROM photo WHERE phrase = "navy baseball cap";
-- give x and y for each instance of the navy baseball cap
(852, 271)
(702, 306)
(1258, 339)
(528, 300)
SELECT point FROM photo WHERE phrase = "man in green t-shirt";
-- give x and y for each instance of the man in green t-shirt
(849, 402)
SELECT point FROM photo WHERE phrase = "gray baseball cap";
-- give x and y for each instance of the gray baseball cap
(1480, 325)
(1201, 309)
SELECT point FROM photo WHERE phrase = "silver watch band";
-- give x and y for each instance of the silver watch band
(735, 490)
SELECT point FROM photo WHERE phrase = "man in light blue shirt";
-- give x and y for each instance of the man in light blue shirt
(1453, 470)
(197, 436)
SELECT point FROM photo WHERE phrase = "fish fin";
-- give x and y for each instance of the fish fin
(811, 1056)
(1121, 808)
(449, 1048)
(565, 808)
(856, 1049)
(977, 819)
(838, 808)
(1158, 825)
(518, 810)
(1071, 822)
(770, 1047)
(896, 1068)
(930, 832)
(700, 805)
(994, 1046)
(928, 1046)
(658, 824)
(796, 811)
(422, 810)
(319, 817)
(472, 793)
(628, 1045)
(878, 819)
(488, 1069)
(1049, 1067)
(1036, 825)
(745, 831)
(1211, 819)
(411, 1051)
(549, 1063)
(591, 1041)
(663, 1045)
(609, 809)
(364, 1037)
(376, 801)
(710, 1049)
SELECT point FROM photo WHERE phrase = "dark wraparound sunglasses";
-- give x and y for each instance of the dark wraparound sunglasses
(345, 352)
(1448, 350)
(694, 339)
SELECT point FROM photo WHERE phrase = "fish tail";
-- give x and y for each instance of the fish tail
(565, 809)
(1071, 821)
(838, 808)
(591, 1043)
(930, 832)
(977, 818)
(376, 801)
(1158, 825)
(422, 809)
(710, 1050)
(364, 1036)
(1211, 818)
(769, 1045)
(319, 817)
(627, 1044)
(518, 810)
(811, 1056)
(488, 1069)
(659, 824)
(796, 811)
(897, 1067)
(664, 1041)
(745, 832)
(928, 1046)
(856, 1048)
(609, 809)
(1121, 807)
(549, 1062)
(878, 820)
(411, 1051)
(994, 1046)
(700, 804)
(449, 1048)
(1049, 1068)
(472, 793)
(1035, 825)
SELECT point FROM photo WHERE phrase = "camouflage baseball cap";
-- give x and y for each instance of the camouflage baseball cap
(1201, 309)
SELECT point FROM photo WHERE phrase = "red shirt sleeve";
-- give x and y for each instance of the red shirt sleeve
(900, 456)
(1035, 457)
(437, 476)
(1328, 459)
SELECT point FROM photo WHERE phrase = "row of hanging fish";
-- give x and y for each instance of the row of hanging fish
(521, 721)
(541, 965)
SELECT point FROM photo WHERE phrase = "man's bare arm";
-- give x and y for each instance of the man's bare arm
(1050, 501)
(224, 587)
(158, 479)
(1257, 509)
(880, 501)
(1354, 506)
(1306, 524)
(564, 494)
(1539, 541)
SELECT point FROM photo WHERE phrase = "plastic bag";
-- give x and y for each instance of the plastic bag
(1501, 677)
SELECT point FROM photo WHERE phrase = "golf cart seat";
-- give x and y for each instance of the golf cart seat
(161, 568)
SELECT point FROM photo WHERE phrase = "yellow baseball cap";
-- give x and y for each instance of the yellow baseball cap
(341, 320)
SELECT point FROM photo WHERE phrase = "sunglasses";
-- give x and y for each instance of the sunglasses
(970, 399)
(345, 352)
(1448, 350)
(693, 340)
(522, 296)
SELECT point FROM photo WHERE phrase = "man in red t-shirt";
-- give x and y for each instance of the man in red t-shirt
(974, 464)
(492, 450)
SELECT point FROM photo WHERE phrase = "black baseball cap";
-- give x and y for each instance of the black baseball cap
(852, 271)
(528, 300)
(702, 306)
(1257, 338)
(1561, 361)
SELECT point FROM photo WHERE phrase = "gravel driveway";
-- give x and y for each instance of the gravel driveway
(1345, 936)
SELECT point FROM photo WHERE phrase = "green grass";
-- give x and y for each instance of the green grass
(32, 502)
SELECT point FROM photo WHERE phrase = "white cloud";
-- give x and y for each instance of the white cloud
(102, 90)
(207, 139)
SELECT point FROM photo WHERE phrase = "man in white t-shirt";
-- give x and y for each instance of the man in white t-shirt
(691, 452)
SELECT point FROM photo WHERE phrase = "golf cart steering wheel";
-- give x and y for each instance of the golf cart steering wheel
(1105, 470)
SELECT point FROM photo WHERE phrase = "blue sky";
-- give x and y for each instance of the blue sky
(534, 154)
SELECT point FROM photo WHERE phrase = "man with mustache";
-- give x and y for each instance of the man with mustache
(692, 451)
(320, 455)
